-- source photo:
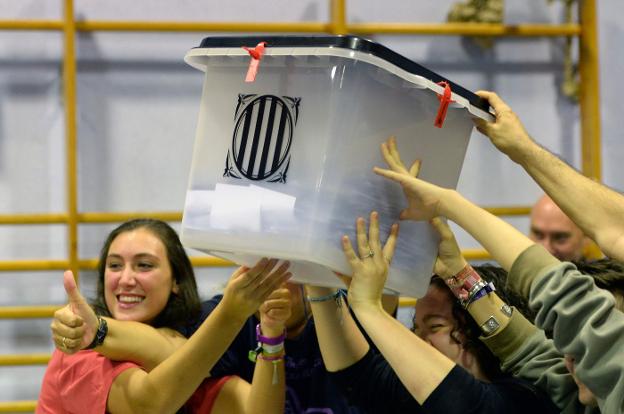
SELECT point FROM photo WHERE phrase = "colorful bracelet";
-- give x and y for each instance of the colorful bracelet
(269, 341)
(483, 291)
(463, 283)
(273, 360)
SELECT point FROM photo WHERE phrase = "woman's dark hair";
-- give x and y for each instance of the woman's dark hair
(181, 307)
(608, 274)
(466, 332)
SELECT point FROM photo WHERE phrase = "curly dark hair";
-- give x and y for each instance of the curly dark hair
(466, 332)
(182, 306)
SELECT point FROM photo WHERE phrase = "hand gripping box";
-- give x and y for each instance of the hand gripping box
(282, 166)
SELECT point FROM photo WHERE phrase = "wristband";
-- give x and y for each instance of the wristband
(483, 290)
(272, 349)
(269, 341)
(271, 358)
(463, 284)
(337, 295)
(100, 334)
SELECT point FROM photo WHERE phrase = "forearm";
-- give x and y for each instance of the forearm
(419, 366)
(341, 342)
(138, 343)
(170, 384)
(267, 392)
(596, 209)
(503, 241)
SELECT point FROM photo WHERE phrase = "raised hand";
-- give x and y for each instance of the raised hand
(506, 132)
(450, 260)
(274, 312)
(248, 288)
(424, 199)
(370, 268)
(74, 326)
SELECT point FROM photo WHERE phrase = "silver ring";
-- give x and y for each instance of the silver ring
(370, 254)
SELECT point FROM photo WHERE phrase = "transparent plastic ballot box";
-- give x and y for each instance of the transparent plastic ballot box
(282, 165)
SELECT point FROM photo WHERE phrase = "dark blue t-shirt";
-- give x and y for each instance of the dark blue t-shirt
(309, 387)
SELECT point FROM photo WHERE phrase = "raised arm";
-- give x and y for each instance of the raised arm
(596, 209)
(420, 367)
(522, 348)
(426, 201)
(167, 387)
(266, 394)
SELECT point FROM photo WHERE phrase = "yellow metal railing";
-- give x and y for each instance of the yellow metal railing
(338, 24)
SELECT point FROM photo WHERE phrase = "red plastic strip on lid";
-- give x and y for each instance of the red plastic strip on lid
(445, 101)
(256, 54)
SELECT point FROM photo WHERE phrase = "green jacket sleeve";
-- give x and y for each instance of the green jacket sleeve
(582, 318)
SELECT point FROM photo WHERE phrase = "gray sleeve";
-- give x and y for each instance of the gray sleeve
(539, 362)
(586, 325)
(525, 352)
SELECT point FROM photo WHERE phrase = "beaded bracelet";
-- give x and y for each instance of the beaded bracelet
(336, 296)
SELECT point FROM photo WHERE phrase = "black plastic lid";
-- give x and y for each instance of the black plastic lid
(345, 42)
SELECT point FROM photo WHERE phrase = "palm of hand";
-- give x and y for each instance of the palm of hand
(367, 283)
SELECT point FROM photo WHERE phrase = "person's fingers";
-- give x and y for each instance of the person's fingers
(388, 249)
(347, 248)
(273, 280)
(272, 283)
(394, 176)
(373, 234)
(362, 239)
(67, 317)
(391, 155)
(62, 330)
(443, 229)
(394, 152)
(280, 303)
(495, 101)
(75, 298)
(415, 168)
(254, 275)
(66, 345)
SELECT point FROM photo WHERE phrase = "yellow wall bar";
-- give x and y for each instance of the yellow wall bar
(18, 406)
(166, 26)
(466, 29)
(33, 265)
(338, 17)
(170, 216)
(24, 359)
(509, 211)
(28, 312)
(338, 25)
(31, 25)
(103, 217)
(590, 91)
(69, 95)
(44, 218)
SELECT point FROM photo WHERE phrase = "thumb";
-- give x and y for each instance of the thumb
(442, 227)
(77, 302)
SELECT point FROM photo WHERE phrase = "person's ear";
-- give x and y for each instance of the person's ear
(175, 288)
